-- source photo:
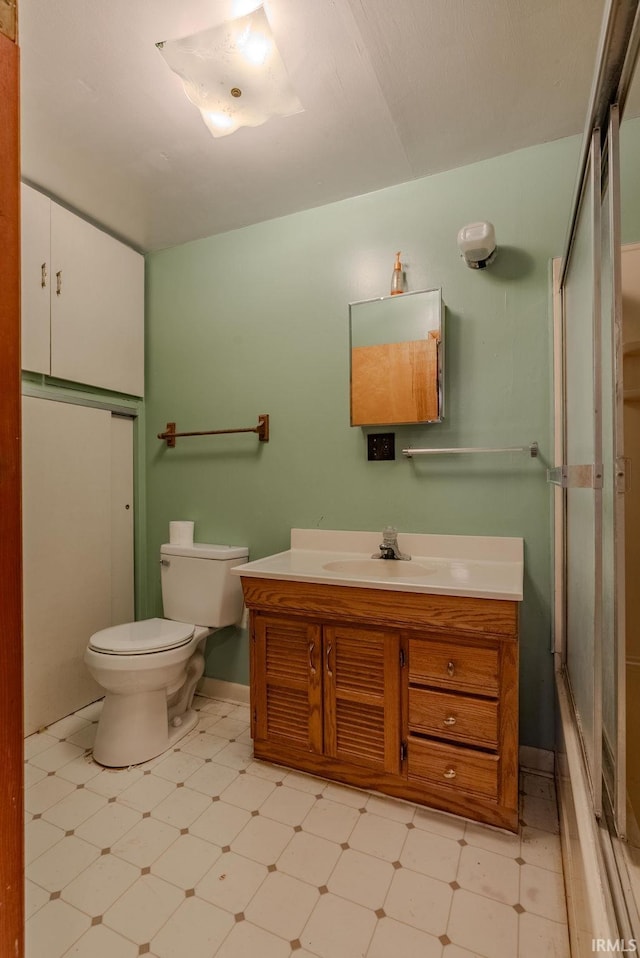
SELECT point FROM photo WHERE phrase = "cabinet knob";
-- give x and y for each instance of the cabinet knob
(450, 720)
(450, 773)
(451, 668)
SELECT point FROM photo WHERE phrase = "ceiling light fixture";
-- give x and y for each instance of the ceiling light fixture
(233, 73)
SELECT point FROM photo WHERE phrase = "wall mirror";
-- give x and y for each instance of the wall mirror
(397, 359)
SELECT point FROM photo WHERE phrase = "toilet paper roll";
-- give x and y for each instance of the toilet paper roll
(181, 533)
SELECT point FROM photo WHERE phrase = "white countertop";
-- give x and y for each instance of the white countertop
(489, 567)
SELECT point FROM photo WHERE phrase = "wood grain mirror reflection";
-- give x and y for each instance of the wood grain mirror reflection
(397, 359)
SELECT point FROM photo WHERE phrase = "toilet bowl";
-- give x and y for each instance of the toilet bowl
(149, 670)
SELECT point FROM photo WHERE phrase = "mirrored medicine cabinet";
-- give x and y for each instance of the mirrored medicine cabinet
(397, 359)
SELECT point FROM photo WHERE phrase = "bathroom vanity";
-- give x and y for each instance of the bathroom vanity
(391, 675)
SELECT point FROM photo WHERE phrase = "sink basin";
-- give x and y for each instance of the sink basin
(380, 568)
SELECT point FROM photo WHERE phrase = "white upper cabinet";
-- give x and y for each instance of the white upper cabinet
(86, 324)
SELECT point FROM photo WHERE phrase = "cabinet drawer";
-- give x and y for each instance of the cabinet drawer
(454, 665)
(453, 767)
(454, 716)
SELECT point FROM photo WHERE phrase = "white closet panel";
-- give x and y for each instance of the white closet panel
(36, 280)
(122, 592)
(67, 552)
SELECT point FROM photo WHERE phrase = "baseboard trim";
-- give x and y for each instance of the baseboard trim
(219, 689)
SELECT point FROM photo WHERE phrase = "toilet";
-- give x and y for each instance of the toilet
(149, 669)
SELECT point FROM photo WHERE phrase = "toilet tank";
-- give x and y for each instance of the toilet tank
(197, 586)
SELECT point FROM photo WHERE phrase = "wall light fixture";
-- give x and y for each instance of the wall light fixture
(233, 73)
(477, 243)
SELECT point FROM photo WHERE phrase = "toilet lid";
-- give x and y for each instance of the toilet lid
(137, 638)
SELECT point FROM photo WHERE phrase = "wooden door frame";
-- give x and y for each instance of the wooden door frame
(11, 725)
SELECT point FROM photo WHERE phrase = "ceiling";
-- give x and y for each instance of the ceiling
(392, 90)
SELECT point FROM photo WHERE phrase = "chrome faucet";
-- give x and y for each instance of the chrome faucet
(389, 548)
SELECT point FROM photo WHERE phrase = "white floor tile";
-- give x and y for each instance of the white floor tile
(541, 938)
(454, 951)
(55, 757)
(228, 728)
(419, 901)
(99, 885)
(287, 805)
(274, 773)
(249, 941)
(338, 928)
(361, 878)
(80, 771)
(204, 746)
(67, 726)
(431, 854)
(84, 737)
(32, 775)
(236, 755)
(331, 820)
(492, 839)
(248, 791)
(146, 793)
(186, 861)
(232, 882)
(111, 782)
(91, 712)
(220, 823)
(178, 766)
(46, 793)
(439, 822)
(378, 836)
(53, 929)
(108, 825)
(39, 836)
(196, 930)
(74, 809)
(392, 938)
(393, 808)
(310, 858)
(144, 908)
(37, 743)
(143, 844)
(62, 863)
(541, 849)
(101, 942)
(355, 797)
(34, 898)
(482, 925)
(488, 874)
(212, 779)
(181, 807)
(304, 782)
(282, 905)
(542, 893)
(262, 840)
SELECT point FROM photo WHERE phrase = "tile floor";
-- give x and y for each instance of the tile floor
(203, 852)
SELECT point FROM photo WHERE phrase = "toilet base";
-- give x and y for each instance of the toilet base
(135, 728)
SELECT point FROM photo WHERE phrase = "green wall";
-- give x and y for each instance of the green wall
(256, 321)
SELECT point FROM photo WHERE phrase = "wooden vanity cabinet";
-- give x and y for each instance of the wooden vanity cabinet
(409, 694)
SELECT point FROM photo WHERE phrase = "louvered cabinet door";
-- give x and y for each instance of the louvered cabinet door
(362, 697)
(286, 676)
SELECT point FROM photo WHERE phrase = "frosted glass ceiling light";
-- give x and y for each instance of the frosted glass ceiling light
(233, 73)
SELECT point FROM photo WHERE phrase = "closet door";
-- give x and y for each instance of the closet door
(36, 280)
(67, 552)
(122, 580)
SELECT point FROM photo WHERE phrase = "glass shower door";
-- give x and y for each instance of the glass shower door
(583, 473)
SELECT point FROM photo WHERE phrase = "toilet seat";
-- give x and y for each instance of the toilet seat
(142, 638)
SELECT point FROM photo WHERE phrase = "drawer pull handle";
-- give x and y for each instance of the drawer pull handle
(451, 668)
(450, 773)
(450, 720)
(329, 650)
(43, 275)
(58, 282)
(312, 646)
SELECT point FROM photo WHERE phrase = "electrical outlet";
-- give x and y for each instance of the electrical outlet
(381, 445)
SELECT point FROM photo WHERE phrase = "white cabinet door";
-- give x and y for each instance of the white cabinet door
(122, 596)
(67, 552)
(36, 281)
(97, 308)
